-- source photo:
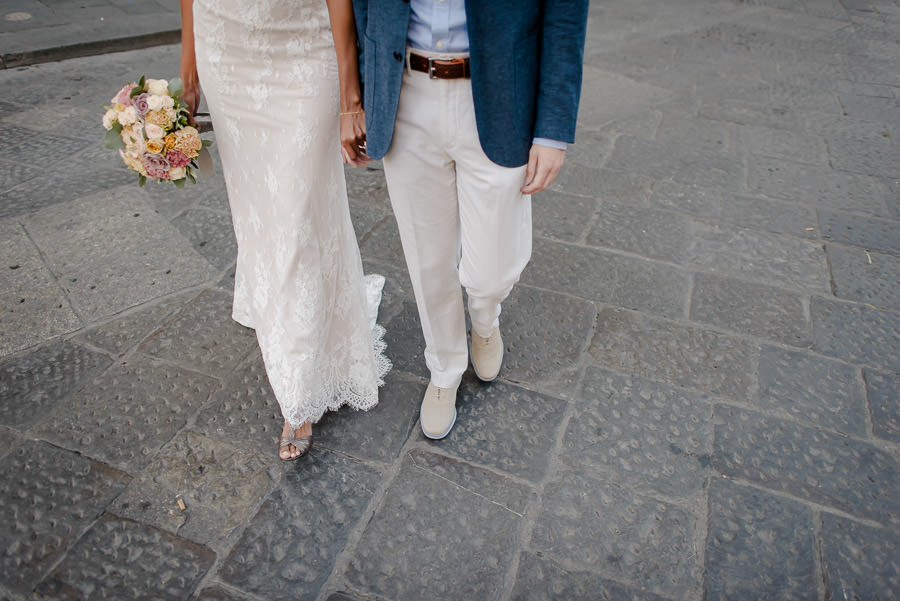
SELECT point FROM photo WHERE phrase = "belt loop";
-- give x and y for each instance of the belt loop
(406, 64)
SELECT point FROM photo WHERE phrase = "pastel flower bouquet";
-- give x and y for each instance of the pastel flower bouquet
(150, 126)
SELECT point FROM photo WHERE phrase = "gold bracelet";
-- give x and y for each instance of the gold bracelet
(353, 112)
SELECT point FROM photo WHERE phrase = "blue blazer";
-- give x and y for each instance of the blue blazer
(525, 58)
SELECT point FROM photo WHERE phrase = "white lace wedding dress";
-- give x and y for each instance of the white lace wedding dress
(268, 71)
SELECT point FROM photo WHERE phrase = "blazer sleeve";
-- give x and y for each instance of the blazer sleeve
(361, 16)
(561, 59)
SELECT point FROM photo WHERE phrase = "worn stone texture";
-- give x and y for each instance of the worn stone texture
(416, 545)
(856, 333)
(782, 144)
(867, 277)
(562, 216)
(649, 233)
(759, 546)
(49, 498)
(118, 558)
(811, 388)
(287, 551)
(405, 341)
(640, 434)
(860, 562)
(862, 231)
(211, 233)
(884, 404)
(840, 472)
(33, 384)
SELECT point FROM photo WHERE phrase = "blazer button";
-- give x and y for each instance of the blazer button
(398, 57)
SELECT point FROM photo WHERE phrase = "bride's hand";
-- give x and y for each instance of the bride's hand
(353, 138)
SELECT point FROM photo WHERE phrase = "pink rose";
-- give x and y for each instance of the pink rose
(177, 158)
(140, 103)
(124, 95)
(155, 165)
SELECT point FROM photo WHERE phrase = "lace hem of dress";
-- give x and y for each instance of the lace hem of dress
(351, 392)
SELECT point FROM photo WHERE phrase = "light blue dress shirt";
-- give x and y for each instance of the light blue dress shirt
(440, 26)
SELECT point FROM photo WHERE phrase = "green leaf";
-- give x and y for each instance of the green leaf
(113, 140)
(142, 179)
(176, 88)
(207, 143)
(117, 127)
(190, 176)
(179, 183)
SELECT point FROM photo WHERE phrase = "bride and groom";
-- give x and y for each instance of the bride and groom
(469, 105)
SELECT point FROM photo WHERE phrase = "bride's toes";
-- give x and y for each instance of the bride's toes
(294, 443)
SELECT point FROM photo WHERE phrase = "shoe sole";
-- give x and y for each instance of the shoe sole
(485, 380)
(445, 433)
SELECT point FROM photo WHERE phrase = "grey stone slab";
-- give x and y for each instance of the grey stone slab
(839, 126)
(640, 433)
(759, 546)
(32, 385)
(591, 182)
(607, 95)
(503, 426)
(873, 156)
(129, 412)
(50, 496)
(772, 258)
(620, 534)
(170, 202)
(782, 144)
(203, 336)
(377, 434)
(405, 342)
(544, 335)
(12, 174)
(811, 388)
(103, 565)
(112, 251)
(864, 276)
(35, 308)
(677, 128)
(45, 149)
(680, 355)
(786, 95)
(750, 308)
(744, 113)
(870, 108)
(884, 404)
(122, 333)
(218, 594)
(647, 232)
(288, 550)
(211, 234)
(865, 232)
(382, 243)
(679, 162)
(817, 186)
(856, 333)
(150, 503)
(444, 530)
(365, 217)
(540, 578)
(860, 562)
(827, 468)
(366, 185)
(561, 216)
(607, 277)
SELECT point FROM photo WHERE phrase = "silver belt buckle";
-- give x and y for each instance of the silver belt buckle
(430, 68)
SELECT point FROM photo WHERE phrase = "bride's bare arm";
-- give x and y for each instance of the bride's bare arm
(189, 77)
(353, 120)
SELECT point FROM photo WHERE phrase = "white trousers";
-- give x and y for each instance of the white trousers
(462, 218)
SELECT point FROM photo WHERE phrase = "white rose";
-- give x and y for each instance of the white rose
(154, 131)
(155, 102)
(168, 102)
(176, 173)
(128, 116)
(109, 117)
(158, 86)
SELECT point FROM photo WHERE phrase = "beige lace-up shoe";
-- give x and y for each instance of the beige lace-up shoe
(487, 355)
(438, 411)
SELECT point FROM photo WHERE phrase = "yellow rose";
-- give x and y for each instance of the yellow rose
(162, 118)
(155, 145)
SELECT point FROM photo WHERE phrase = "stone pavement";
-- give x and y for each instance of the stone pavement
(701, 394)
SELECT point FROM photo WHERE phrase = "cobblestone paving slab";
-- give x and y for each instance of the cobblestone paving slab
(129, 412)
(435, 537)
(759, 546)
(288, 549)
(860, 562)
(856, 333)
(34, 307)
(366, 217)
(706, 134)
(863, 276)
(505, 427)
(620, 534)
(150, 503)
(749, 308)
(203, 336)
(606, 277)
(49, 498)
(811, 388)
(121, 559)
(383, 243)
(405, 344)
(781, 144)
(12, 174)
(605, 184)
(875, 156)
(31, 385)
(123, 333)
(650, 233)
(884, 404)
(771, 258)
(640, 433)
(827, 468)
(540, 579)
(171, 202)
(561, 216)
(49, 148)
(377, 434)
(744, 113)
(544, 335)
(218, 594)
(211, 234)
(872, 234)
(818, 187)
(680, 355)
(112, 252)
(42, 192)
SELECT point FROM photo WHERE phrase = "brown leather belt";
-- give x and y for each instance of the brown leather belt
(440, 68)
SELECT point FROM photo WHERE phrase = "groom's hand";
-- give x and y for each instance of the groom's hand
(543, 166)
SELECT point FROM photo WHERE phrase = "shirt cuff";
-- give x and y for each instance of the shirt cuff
(551, 143)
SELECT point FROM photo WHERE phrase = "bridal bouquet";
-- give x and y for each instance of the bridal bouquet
(149, 124)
